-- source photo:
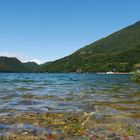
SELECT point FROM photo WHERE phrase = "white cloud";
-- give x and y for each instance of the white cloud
(35, 60)
(10, 54)
(20, 57)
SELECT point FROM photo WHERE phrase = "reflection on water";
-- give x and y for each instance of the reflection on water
(105, 95)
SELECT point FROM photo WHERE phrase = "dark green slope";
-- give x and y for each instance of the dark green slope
(31, 66)
(8, 64)
(118, 52)
(11, 65)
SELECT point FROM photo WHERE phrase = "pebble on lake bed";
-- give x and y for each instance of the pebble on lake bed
(35, 126)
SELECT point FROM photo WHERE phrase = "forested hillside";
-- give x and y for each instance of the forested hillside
(117, 52)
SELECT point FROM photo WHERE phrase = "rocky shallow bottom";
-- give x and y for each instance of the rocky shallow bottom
(69, 126)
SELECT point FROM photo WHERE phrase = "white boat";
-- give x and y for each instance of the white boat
(109, 72)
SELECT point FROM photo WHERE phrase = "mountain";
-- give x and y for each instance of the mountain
(11, 65)
(117, 52)
(31, 66)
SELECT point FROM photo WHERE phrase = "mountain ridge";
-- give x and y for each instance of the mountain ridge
(119, 51)
(12, 64)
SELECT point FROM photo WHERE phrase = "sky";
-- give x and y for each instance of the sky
(46, 30)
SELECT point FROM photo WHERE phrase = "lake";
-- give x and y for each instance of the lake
(69, 106)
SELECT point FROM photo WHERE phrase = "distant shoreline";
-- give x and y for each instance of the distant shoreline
(71, 72)
(114, 73)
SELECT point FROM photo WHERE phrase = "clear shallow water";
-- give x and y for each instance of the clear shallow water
(65, 92)
(22, 95)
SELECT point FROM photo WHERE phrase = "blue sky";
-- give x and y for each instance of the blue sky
(45, 30)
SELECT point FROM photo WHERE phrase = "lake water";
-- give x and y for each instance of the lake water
(101, 94)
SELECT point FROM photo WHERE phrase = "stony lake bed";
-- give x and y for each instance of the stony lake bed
(69, 106)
